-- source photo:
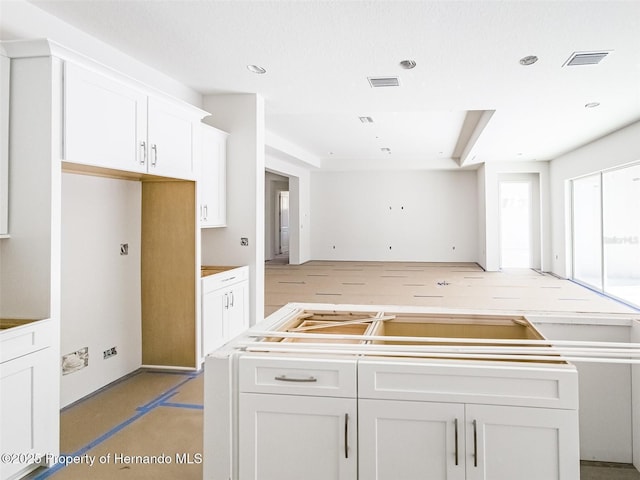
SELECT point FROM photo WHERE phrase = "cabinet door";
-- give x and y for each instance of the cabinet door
(104, 121)
(213, 178)
(237, 311)
(410, 440)
(213, 313)
(523, 443)
(289, 437)
(170, 140)
(28, 415)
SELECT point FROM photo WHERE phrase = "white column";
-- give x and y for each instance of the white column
(242, 116)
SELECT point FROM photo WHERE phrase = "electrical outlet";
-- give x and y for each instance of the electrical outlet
(124, 249)
(244, 241)
(110, 352)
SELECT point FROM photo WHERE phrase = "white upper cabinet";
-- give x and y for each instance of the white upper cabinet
(171, 136)
(111, 124)
(105, 121)
(212, 188)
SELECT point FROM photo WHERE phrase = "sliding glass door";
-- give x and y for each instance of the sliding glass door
(606, 232)
(587, 230)
(621, 233)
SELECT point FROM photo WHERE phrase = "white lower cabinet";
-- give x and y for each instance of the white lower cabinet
(410, 440)
(225, 307)
(28, 395)
(401, 440)
(519, 442)
(293, 437)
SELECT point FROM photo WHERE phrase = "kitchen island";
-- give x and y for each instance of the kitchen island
(375, 392)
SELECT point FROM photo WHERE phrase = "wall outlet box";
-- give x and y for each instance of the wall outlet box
(74, 361)
(244, 241)
(110, 352)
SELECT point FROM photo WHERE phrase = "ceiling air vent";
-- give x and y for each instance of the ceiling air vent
(376, 82)
(585, 58)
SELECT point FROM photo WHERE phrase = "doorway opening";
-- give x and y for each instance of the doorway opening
(283, 223)
(515, 224)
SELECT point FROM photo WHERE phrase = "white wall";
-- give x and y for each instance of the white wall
(242, 116)
(618, 148)
(605, 392)
(30, 259)
(482, 217)
(421, 215)
(100, 288)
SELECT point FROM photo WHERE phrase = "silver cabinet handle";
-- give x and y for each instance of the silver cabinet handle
(346, 435)
(226, 300)
(455, 438)
(232, 298)
(475, 444)
(284, 378)
(206, 212)
(143, 152)
(154, 148)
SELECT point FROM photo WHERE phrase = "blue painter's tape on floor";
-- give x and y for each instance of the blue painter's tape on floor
(159, 401)
(193, 406)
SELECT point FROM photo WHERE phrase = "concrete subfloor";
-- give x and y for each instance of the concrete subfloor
(158, 415)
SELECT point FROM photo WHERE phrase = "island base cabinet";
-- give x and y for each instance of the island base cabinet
(504, 443)
(410, 440)
(414, 440)
(289, 437)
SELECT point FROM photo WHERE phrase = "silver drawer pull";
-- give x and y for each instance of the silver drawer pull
(284, 378)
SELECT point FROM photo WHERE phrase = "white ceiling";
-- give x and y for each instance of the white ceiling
(318, 55)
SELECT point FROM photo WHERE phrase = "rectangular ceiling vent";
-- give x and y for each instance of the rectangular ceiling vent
(366, 119)
(585, 58)
(376, 82)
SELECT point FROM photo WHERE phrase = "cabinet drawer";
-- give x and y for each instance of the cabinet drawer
(29, 338)
(224, 279)
(535, 386)
(298, 376)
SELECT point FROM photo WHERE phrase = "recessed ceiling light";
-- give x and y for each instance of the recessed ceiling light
(256, 69)
(366, 119)
(528, 60)
(408, 64)
(592, 105)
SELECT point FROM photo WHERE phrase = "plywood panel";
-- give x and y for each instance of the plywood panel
(169, 273)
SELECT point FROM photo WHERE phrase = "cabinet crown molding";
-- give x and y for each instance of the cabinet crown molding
(45, 47)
